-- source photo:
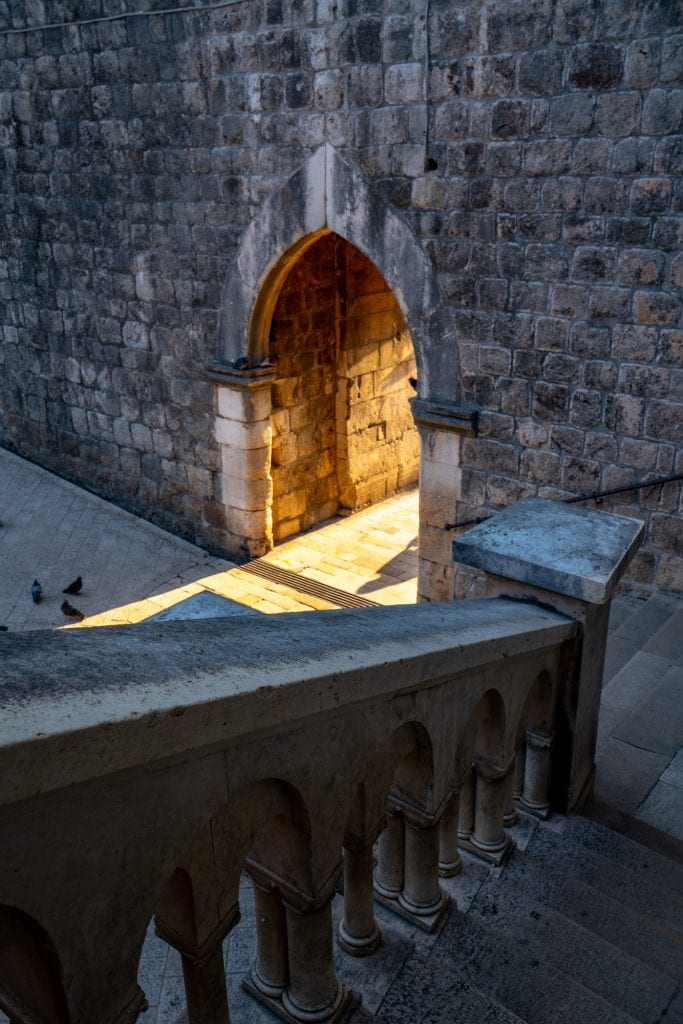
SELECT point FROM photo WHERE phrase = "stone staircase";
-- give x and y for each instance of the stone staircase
(584, 924)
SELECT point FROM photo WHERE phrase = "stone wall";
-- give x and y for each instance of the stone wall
(531, 146)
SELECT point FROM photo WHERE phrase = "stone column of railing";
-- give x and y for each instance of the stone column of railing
(570, 559)
(358, 931)
(293, 973)
(407, 876)
(483, 807)
(536, 789)
(450, 861)
(244, 433)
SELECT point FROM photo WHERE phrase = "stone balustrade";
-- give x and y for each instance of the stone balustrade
(144, 769)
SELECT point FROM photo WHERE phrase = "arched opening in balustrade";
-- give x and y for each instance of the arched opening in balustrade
(393, 811)
(253, 851)
(31, 983)
(484, 736)
(482, 768)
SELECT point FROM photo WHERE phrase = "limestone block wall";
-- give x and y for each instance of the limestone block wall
(532, 147)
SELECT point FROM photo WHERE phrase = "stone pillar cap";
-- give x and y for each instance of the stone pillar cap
(553, 546)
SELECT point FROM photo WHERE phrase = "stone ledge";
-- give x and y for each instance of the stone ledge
(220, 372)
(444, 416)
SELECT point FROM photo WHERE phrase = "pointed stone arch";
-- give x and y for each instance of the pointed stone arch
(328, 194)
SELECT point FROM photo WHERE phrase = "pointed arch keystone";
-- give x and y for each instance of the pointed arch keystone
(327, 194)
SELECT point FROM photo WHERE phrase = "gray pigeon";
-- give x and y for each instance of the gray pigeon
(36, 591)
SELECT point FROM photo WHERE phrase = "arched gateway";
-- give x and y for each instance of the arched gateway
(327, 207)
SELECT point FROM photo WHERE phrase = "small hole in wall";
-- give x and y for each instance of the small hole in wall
(430, 164)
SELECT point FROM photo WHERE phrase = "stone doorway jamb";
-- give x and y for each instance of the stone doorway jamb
(244, 433)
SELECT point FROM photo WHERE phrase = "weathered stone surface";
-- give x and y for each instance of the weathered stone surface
(555, 547)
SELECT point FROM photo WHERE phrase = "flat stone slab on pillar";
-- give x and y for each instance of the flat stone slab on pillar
(572, 551)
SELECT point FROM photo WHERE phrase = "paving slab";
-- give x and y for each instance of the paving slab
(635, 681)
(133, 571)
(663, 808)
(668, 641)
(649, 618)
(673, 775)
(657, 723)
(625, 774)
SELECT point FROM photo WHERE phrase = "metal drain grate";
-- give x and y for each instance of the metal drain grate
(293, 580)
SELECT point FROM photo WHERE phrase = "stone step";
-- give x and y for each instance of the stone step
(638, 631)
(638, 936)
(667, 642)
(622, 927)
(414, 998)
(621, 609)
(470, 954)
(655, 867)
(674, 1011)
(646, 620)
(557, 854)
(601, 967)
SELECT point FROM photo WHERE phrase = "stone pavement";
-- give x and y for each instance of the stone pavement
(54, 531)
(132, 570)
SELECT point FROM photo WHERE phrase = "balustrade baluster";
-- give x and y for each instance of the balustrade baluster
(466, 812)
(520, 760)
(536, 794)
(389, 873)
(313, 993)
(488, 833)
(450, 861)
(269, 970)
(421, 893)
(358, 931)
(510, 815)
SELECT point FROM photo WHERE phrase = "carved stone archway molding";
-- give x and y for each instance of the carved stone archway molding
(327, 194)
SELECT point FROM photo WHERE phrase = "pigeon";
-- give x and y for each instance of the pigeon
(75, 587)
(36, 591)
(72, 612)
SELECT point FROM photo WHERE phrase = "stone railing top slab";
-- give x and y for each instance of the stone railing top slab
(77, 705)
(567, 550)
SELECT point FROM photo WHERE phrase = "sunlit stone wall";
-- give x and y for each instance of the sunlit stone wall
(343, 431)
